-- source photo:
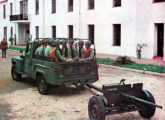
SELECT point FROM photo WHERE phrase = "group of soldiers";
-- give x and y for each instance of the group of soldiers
(69, 52)
(4, 47)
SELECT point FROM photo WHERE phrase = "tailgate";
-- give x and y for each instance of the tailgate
(78, 68)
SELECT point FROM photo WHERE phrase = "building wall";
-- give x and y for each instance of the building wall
(5, 22)
(62, 18)
(103, 18)
(147, 14)
(137, 19)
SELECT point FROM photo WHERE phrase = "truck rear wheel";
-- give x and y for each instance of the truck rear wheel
(96, 109)
(42, 85)
(16, 76)
(146, 110)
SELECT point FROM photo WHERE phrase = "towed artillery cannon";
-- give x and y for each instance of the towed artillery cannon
(120, 98)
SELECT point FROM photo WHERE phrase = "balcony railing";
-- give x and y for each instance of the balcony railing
(18, 17)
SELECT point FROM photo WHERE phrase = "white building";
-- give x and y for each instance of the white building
(116, 26)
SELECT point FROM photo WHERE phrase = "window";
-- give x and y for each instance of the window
(4, 11)
(5, 33)
(21, 7)
(116, 3)
(37, 7)
(70, 5)
(117, 34)
(91, 33)
(11, 8)
(91, 4)
(70, 27)
(37, 31)
(159, 0)
(53, 31)
(53, 6)
(11, 32)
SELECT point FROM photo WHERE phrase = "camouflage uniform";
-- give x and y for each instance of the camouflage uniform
(81, 50)
(64, 50)
(71, 50)
(89, 52)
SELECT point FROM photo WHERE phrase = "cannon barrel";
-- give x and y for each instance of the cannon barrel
(140, 100)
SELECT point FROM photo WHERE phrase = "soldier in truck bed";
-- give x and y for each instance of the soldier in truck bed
(55, 53)
(71, 50)
(81, 49)
(89, 52)
(49, 47)
(64, 50)
(41, 49)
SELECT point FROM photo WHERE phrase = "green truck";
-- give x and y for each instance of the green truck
(47, 72)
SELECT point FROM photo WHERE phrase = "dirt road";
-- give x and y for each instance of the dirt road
(21, 100)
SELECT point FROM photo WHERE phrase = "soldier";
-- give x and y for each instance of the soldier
(64, 50)
(89, 52)
(55, 53)
(49, 47)
(81, 49)
(4, 46)
(71, 50)
(41, 49)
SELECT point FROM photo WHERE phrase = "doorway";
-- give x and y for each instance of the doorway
(160, 39)
(23, 33)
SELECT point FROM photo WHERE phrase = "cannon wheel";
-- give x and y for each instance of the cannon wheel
(96, 109)
(16, 76)
(42, 85)
(146, 110)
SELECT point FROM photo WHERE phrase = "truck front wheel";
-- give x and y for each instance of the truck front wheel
(42, 85)
(15, 75)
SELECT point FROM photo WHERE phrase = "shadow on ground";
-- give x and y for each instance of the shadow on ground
(65, 91)
(8, 85)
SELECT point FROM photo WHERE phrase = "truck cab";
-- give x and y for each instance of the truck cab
(47, 72)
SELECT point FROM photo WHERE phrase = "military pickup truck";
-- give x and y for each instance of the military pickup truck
(47, 72)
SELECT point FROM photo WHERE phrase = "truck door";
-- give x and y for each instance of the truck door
(27, 61)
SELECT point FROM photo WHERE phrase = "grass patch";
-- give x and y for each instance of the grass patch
(16, 48)
(146, 67)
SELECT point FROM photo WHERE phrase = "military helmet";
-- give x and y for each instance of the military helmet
(51, 40)
(71, 41)
(81, 42)
(88, 43)
(40, 42)
(44, 41)
(63, 41)
(56, 42)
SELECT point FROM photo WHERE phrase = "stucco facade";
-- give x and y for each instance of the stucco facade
(139, 21)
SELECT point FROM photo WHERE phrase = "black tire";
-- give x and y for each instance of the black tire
(146, 110)
(42, 85)
(15, 76)
(96, 109)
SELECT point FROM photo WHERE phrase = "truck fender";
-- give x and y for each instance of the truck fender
(39, 72)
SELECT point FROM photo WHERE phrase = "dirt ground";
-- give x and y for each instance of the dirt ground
(21, 100)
